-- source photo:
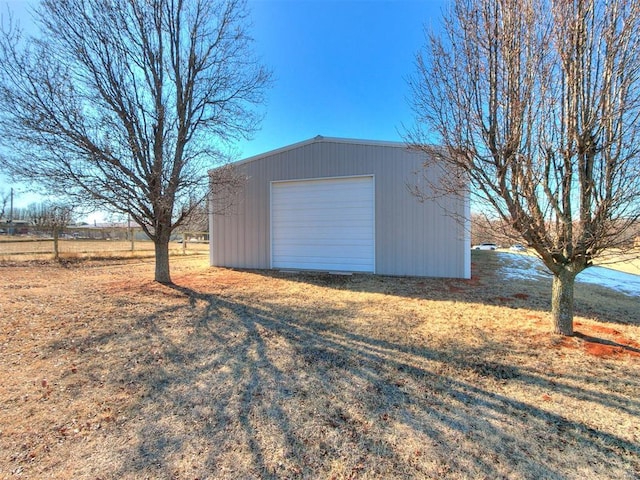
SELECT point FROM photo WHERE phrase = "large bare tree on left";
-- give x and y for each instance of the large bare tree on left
(125, 103)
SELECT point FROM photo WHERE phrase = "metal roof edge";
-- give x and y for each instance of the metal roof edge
(318, 139)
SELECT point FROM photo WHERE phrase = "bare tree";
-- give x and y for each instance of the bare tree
(227, 182)
(197, 219)
(125, 103)
(484, 229)
(4, 203)
(536, 104)
(50, 218)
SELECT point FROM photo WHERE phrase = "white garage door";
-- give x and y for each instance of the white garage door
(323, 224)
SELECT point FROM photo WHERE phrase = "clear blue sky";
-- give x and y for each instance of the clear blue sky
(339, 66)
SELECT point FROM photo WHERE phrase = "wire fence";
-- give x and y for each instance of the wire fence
(16, 247)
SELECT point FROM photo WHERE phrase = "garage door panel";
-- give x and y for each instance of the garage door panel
(325, 219)
(327, 208)
(325, 224)
(332, 252)
(320, 240)
(314, 197)
(323, 263)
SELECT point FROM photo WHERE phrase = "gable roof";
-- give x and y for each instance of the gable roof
(318, 139)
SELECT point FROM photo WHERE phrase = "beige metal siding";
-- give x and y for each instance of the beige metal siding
(412, 238)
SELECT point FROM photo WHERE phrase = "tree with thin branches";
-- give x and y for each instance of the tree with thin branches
(4, 203)
(50, 217)
(535, 107)
(125, 104)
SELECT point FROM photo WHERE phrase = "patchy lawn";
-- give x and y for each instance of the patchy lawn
(235, 374)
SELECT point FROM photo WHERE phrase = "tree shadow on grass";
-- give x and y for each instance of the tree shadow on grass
(613, 346)
(487, 286)
(256, 391)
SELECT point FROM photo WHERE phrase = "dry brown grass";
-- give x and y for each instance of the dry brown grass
(235, 374)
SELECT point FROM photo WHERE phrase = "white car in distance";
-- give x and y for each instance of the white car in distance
(485, 246)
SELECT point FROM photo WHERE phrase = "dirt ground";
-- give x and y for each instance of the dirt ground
(229, 374)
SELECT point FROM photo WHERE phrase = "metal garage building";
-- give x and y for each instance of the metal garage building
(341, 205)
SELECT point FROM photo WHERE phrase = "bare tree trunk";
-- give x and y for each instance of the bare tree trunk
(161, 243)
(162, 274)
(562, 302)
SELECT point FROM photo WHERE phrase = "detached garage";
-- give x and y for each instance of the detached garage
(338, 205)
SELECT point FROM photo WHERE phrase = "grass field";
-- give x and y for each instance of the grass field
(247, 374)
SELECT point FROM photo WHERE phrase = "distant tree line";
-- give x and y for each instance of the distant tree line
(485, 229)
